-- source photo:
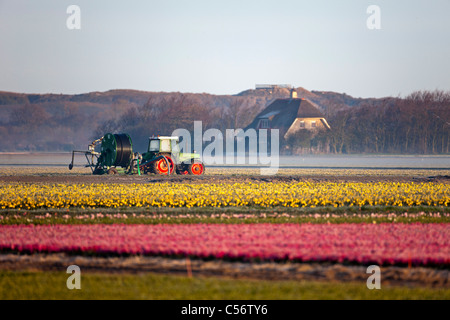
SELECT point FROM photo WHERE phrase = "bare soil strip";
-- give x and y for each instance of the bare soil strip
(390, 275)
(217, 179)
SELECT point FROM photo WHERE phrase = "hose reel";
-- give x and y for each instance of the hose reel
(116, 150)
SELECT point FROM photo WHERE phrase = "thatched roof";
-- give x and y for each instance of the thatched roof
(283, 112)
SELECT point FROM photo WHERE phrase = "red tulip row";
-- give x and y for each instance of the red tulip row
(383, 244)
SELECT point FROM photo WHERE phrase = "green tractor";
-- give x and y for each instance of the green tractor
(162, 157)
(164, 153)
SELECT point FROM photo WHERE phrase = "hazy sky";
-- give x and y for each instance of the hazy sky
(224, 47)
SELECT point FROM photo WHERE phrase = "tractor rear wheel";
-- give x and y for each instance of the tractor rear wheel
(196, 168)
(160, 166)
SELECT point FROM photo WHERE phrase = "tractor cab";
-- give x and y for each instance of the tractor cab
(163, 144)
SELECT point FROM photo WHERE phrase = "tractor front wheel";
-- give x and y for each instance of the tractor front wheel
(196, 168)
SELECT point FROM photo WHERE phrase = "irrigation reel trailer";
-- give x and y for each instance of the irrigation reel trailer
(162, 157)
(91, 155)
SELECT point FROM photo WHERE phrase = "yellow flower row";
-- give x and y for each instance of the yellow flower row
(295, 194)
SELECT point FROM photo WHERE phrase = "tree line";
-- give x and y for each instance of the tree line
(163, 116)
(416, 124)
(31, 127)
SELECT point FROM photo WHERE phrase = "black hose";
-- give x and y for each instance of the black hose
(119, 150)
(123, 150)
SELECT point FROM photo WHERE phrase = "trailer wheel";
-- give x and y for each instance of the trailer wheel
(98, 171)
(146, 169)
(160, 166)
(112, 171)
(196, 168)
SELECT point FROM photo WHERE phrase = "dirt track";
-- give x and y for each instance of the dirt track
(58, 174)
(214, 178)
(416, 276)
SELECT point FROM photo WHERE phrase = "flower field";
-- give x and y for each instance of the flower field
(376, 219)
(188, 195)
(383, 244)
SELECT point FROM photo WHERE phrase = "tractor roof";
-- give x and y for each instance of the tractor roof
(163, 138)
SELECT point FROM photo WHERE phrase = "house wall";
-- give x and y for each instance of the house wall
(308, 125)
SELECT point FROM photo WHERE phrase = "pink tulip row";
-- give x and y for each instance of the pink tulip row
(383, 244)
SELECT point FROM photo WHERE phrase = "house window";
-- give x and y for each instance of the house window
(302, 124)
(313, 124)
(264, 124)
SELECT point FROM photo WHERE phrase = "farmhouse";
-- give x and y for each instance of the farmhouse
(290, 116)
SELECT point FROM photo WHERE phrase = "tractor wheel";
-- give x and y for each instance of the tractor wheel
(98, 171)
(160, 166)
(145, 169)
(196, 168)
(112, 171)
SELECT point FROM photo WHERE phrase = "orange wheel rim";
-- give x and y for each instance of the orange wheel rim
(162, 165)
(197, 168)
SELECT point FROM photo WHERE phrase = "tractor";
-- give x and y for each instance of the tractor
(163, 156)
(164, 153)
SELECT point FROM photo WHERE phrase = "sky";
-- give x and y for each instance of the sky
(225, 47)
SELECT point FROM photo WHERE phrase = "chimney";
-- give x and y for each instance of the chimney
(293, 94)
